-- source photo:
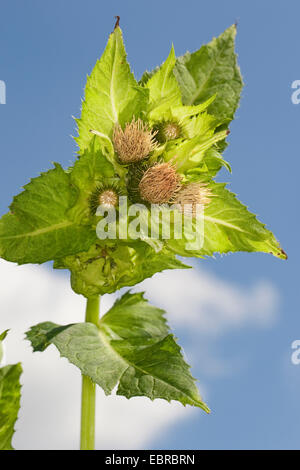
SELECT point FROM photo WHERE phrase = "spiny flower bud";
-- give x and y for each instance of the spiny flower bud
(168, 130)
(159, 183)
(108, 198)
(104, 195)
(192, 194)
(135, 142)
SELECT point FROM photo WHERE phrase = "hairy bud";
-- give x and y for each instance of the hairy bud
(168, 130)
(135, 142)
(159, 183)
(104, 195)
(192, 194)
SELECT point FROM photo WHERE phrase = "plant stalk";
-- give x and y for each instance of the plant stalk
(88, 392)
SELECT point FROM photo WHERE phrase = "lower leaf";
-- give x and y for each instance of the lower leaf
(131, 348)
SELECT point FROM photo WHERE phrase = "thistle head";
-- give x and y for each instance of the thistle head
(135, 142)
(104, 195)
(168, 130)
(190, 195)
(159, 183)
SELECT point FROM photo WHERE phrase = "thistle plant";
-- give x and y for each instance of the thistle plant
(157, 142)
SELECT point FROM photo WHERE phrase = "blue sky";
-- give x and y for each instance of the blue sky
(47, 49)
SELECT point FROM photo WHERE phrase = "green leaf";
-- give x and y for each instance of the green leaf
(106, 267)
(112, 95)
(190, 153)
(42, 335)
(182, 112)
(2, 338)
(230, 227)
(212, 162)
(39, 228)
(3, 335)
(147, 75)
(92, 167)
(212, 70)
(164, 89)
(10, 394)
(132, 348)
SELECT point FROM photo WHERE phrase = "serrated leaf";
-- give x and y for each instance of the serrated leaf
(10, 394)
(147, 75)
(190, 153)
(212, 163)
(112, 95)
(182, 112)
(230, 227)
(212, 70)
(92, 167)
(132, 348)
(38, 228)
(2, 338)
(164, 90)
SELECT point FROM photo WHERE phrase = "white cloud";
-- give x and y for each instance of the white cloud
(196, 299)
(49, 418)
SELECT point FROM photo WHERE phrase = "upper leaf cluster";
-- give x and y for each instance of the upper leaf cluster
(52, 218)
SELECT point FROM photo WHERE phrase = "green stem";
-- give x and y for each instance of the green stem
(88, 394)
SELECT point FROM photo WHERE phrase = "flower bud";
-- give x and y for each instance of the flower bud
(192, 194)
(104, 195)
(159, 183)
(168, 130)
(135, 142)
